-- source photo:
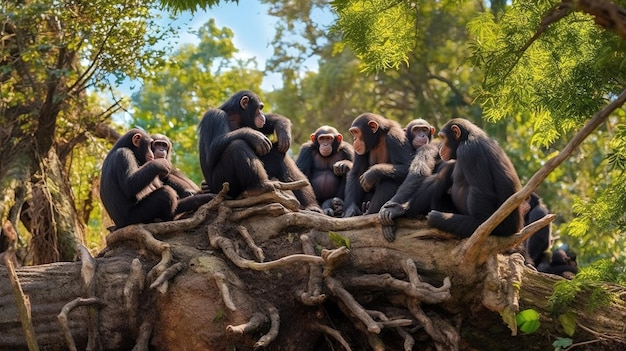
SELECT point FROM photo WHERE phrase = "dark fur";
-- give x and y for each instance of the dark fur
(327, 183)
(232, 149)
(537, 244)
(130, 188)
(384, 178)
(482, 179)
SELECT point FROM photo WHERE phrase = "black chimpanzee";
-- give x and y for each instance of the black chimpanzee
(419, 132)
(538, 243)
(326, 160)
(130, 188)
(482, 179)
(234, 148)
(563, 263)
(409, 199)
(185, 188)
(381, 162)
(162, 148)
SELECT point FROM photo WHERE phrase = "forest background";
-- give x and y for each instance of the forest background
(530, 73)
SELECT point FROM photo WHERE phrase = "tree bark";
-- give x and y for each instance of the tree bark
(246, 274)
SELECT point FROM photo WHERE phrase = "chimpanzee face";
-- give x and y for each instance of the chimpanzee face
(450, 137)
(141, 142)
(252, 110)
(160, 148)
(421, 136)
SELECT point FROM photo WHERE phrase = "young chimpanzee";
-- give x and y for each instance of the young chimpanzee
(419, 132)
(326, 160)
(532, 210)
(234, 148)
(482, 179)
(410, 200)
(381, 162)
(185, 188)
(162, 148)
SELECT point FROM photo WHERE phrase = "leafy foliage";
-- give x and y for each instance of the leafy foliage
(590, 282)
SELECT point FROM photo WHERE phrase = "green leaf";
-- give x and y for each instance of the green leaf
(339, 240)
(528, 321)
(568, 321)
(562, 343)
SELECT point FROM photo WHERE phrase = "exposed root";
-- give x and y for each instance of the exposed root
(143, 237)
(87, 271)
(62, 317)
(258, 252)
(220, 280)
(313, 296)
(256, 321)
(271, 210)
(355, 308)
(389, 323)
(161, 283)
(132, 289)
(409, 342)
(422, 291)
(143, 339)
(334, 258)
(274, 327)
(335, 334)
(289, 202)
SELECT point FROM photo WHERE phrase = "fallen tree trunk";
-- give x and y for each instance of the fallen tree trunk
(254, 273)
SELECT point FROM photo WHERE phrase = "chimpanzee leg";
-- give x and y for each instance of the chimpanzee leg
(383, 192)
(191, 203)
(284, 168)
(240, 167)
(159, 204)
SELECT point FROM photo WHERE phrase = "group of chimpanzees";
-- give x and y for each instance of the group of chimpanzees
(457, 182)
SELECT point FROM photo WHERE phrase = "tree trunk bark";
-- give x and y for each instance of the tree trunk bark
(242, 275)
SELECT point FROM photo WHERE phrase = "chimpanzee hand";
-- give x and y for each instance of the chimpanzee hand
(341, 168)
(389, 211)
(163, 165)
(284, 140)
(369, 179)
(259, 141)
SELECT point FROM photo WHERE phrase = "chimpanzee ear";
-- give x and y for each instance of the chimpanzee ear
(373, 126)
(137, 139)
(456, 131)
(244, 102)
(313, 137)
(339, 138)
(432, 131)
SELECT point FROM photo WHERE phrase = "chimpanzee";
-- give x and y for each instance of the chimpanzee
(381, 162)
(234, 148)
(185, 188)
(409, 199)
(538, 243)
(483, 178)
(162, 148)
(419, 132)
(562, 264)
(326, 160)
(130, 188)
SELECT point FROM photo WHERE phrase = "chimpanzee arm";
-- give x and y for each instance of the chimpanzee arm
(281, 126)
(178, 181)
(343, 166)
(133, 178)
(215, 135)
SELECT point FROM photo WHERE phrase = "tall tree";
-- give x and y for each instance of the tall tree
(52, 54)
